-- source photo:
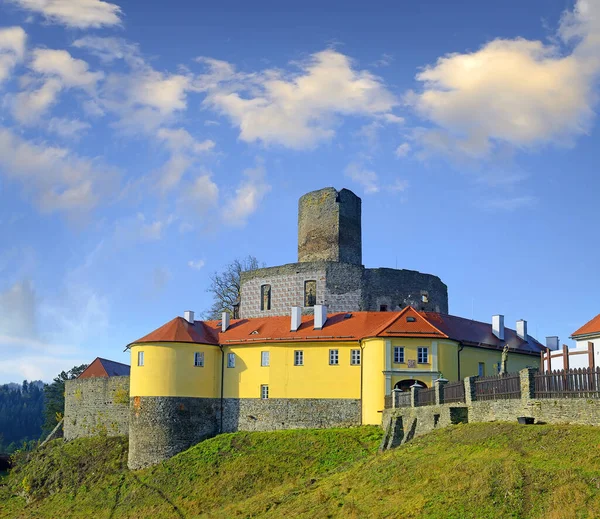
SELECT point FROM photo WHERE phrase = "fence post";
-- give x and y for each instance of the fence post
(413, 396)
(439, 390)
(470, 390)
(527, 377)
(395, 392)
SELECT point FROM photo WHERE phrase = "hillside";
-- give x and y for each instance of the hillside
(475, 470)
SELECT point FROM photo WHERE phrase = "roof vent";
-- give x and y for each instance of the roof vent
(224, 321)
(411, 319)
(347, 316)
(255, 332)
(188, 315)
(498, 326)
(522, 329)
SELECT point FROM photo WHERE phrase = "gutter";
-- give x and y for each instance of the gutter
(222, 387)
(460, 348)
(362, 348)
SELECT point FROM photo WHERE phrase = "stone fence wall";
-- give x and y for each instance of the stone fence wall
(401, 424)
(97, 405)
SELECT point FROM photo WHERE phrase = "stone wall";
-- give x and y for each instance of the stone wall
(161, 427)
(343, 287)
(254, 414)
(96, 405)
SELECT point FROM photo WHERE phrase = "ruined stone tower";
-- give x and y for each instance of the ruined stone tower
(329, 227)
(330, 271)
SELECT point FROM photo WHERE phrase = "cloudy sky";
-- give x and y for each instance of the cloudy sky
(144, 145)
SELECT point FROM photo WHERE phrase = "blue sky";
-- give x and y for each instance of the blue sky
(144, 145)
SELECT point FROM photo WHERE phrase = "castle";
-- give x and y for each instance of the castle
(349, 336)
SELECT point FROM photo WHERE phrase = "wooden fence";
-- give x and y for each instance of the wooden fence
(454, 392)
(425, 397)
(499, 387)
(572, 383)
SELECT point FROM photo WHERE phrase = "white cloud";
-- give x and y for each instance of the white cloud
(12, 49)
(294, 110)
(398, 186)
(57, 178)
(403, 150)
(507, 203)
(68, 128)
(82, 14)
(364, 177)
(196, 264)
(248, 196)
(517, 92)
(179, 139)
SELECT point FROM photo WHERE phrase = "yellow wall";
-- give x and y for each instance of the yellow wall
(373, 380)
(169, 370)
(471, 357)
(315, 379)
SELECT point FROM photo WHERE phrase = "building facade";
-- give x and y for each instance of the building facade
(191, 379)
(329, 270)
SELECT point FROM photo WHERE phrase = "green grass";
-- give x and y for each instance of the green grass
(467, 471)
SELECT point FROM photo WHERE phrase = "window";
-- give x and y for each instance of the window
(199, 359)
(334, 356)
(481, 369)
(398, 355)
(310, 293)
(264, 358)
(410, 319)
(298, 358)
(355, 357)
(265, 297)
(423, 355)
(383, 308)
(425, 298)
(264, 391)
(231, 360)
(140, 358)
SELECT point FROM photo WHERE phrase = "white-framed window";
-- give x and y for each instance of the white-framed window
(231, 360)
(423, 355)
(140, 358)
(298, 358)
(199, 359)
(334, 357)
(398, 355)
(481, 369)
(265, 358)
(355, 357)
(264, 391)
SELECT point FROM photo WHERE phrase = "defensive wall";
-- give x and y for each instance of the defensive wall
(416, 417)
(96, 405)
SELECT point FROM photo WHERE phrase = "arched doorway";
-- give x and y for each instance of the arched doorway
(404, 385)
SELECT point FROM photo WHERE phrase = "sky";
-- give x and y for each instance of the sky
(145, 145)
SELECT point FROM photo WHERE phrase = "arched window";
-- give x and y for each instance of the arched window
(310, 293)
(404, 385)
(265, 297)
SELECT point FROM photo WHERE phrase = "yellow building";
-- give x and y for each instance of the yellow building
(305, 371)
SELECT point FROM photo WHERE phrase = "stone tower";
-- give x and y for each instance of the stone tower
(329, 227)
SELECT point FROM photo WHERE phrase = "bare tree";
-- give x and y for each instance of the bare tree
(225, 286)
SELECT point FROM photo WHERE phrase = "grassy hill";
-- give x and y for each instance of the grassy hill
(475, 470)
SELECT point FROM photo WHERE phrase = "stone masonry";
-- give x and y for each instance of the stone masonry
(330, 253)
(96, 405)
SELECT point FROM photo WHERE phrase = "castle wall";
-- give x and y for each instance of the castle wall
(96, 405)
(400, 288)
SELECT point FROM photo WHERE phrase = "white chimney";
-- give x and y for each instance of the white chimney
(188, 315)
(552, 343)
(320, 316)
(522, 329)
(498, 326)
(296, 318)
(224, 321)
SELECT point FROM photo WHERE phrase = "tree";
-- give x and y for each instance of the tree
(54, 397)
(225, 286)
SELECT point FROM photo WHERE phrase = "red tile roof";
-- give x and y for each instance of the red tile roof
(351, 326)
(590, 327)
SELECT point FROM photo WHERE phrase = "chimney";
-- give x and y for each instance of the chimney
(296, 318)
(224, 321)
(522, 329)
(188, 315)
(320, 316)
(552, 342)
(498, 326)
